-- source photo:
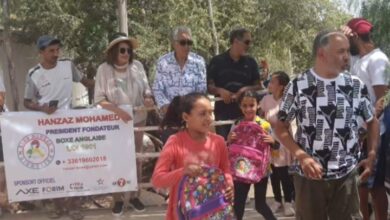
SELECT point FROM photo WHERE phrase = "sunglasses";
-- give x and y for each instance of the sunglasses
(185, 42)
(124, 50)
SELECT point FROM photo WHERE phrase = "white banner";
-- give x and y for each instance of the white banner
(68, 153)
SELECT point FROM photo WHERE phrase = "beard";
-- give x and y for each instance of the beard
(354, 50)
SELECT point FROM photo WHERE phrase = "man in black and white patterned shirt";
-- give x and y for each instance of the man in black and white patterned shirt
(326, 105)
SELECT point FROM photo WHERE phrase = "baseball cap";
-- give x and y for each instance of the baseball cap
(46, 40)
(360, 26)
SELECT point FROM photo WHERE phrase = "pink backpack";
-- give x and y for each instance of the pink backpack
(202, 197)
(249, 154)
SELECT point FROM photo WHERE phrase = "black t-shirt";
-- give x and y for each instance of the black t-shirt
(232, 76)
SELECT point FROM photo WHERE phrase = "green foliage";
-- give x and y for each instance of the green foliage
(377, 11)
(283, 31)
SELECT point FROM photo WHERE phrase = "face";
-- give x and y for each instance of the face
(243, 44)
(200, 118)
(182, 45)
(249, 108)
(336, 54)
(274, 85)
(124, 53)
(50, 54)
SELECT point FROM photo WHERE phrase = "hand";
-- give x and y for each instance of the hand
(192, 169)
(225, 95)
(311, 168)
(237, 95)
(164, 109)
(367, 165)
(47, 109)
(231, 137)
(229, 194)
(148, 101)
(123, 115)
(267, 138)
(347, 31)
(379, 106)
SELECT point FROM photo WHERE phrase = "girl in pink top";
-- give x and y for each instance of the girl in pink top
(194, 145)
(281, 158)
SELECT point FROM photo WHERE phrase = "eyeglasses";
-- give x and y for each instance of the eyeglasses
(124, 50)
(185, 42)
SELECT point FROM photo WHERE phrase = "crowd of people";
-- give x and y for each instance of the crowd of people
(317, 124)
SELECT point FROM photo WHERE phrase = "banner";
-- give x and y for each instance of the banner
(68, 153)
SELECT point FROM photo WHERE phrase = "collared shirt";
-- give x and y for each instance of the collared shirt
(172, 81)
(326, 112)
(232, 76)
(46, 85)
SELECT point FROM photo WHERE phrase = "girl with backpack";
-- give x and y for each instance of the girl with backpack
(249, 104)
(188, 150)
(281, 159)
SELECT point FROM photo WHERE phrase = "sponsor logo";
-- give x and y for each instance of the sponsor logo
(36, 151)
(121, 182)
(28, 191)
(100, 181)
(77, 186)
(52, 189)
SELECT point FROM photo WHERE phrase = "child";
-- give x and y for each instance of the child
(249, 104)
(194, 145)
(281, 158)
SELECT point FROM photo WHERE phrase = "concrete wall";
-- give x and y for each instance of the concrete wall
(24, 57)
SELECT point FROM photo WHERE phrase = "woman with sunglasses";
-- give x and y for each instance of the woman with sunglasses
(121, 80)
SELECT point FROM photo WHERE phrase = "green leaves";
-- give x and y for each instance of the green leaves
(283, 31)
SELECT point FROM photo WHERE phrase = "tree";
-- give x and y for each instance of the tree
(283, 30)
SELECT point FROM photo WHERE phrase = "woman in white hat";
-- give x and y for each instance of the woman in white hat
(121, 80)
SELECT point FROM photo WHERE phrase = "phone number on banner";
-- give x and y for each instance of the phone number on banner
(87, 160)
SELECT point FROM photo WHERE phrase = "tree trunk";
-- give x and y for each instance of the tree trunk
(8, 53)
(122, 16)
(213, 29)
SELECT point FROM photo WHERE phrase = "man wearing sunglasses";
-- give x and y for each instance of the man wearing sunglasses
(230, 74)
(179, 72)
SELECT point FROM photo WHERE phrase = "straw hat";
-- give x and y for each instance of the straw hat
(121, 37)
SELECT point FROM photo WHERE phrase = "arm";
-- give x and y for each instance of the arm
(2, 99)
(311, 168)
(380, 91)
(223, 93)
(77, 77)
(373, 137)
(159, 87)
(202, 81)
(288, 110)
(163, 175)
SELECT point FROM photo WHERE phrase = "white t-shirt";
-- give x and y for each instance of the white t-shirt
(46, 85)
(373, 69)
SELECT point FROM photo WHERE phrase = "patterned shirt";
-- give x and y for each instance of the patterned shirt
(326, 112)
(171, 81)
